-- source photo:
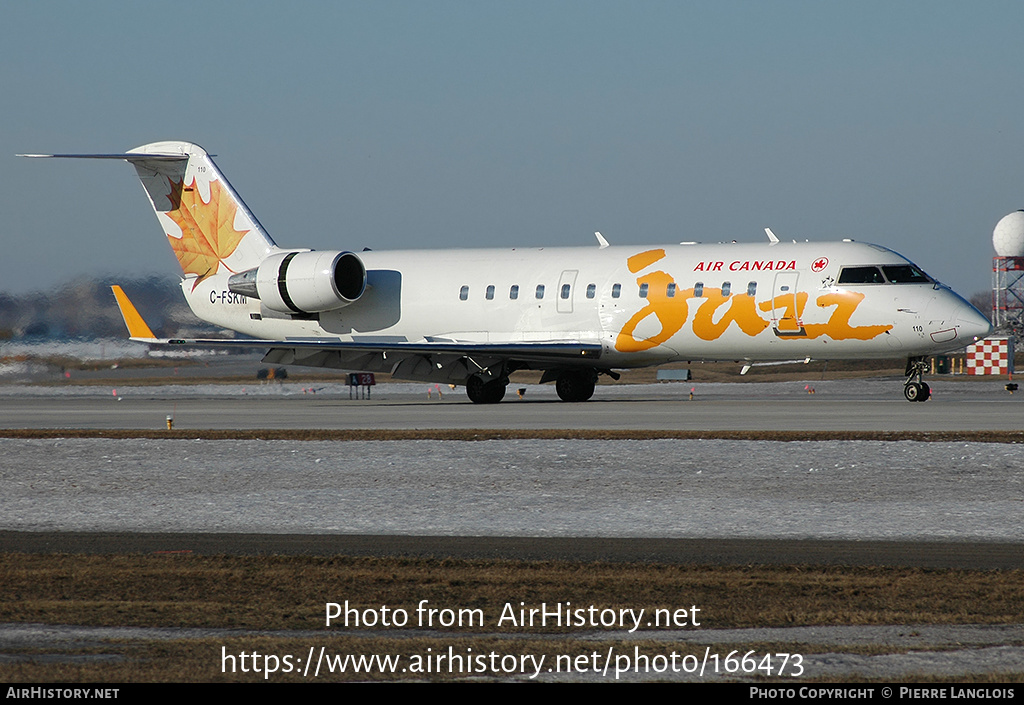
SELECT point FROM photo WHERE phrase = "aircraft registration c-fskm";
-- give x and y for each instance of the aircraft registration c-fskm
(473, 316)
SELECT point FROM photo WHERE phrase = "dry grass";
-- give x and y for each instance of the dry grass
(202, 660)
(289, 593)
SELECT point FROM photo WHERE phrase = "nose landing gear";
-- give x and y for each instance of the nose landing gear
(915, 389)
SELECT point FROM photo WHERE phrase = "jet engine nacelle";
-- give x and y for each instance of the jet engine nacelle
(304, 282)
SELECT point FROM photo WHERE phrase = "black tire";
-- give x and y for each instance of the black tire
(575, 385)
(913, 391)
(495, 391)
(480, 392)
(926, 392)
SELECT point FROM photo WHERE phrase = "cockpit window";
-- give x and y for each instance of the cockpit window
(893, 274)
(905, 274)
(861, 275)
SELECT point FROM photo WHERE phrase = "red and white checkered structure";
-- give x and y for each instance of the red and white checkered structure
(992, 356)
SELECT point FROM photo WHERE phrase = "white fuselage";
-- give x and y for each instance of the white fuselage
(644, 305)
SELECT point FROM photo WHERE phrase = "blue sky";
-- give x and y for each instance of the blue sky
(461, 124)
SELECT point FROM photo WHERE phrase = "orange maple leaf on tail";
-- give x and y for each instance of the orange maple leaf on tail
(208, 234)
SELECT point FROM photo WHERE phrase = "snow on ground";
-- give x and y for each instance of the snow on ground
(657, 488)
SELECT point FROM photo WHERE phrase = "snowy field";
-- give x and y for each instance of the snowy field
(661, 488)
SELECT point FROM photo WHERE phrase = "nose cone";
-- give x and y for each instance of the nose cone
(971, 326)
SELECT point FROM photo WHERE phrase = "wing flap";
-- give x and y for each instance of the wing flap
(547, 351)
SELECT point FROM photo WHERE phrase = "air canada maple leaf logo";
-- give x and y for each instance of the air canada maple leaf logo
(208, 234)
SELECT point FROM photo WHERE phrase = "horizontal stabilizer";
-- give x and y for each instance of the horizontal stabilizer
(127, 156)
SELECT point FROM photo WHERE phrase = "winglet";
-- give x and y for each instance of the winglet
(601, 242)
(137, 327)
(771, 236)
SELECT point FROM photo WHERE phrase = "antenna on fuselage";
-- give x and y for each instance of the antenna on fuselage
(771, 235)
(601, 242)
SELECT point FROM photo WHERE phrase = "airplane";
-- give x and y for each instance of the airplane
(471, 317)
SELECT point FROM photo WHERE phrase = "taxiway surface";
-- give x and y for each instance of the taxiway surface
(850, 405)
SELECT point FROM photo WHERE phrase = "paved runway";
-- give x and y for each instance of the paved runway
(852, 405)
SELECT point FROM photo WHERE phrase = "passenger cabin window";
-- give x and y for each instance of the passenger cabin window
(905, 274)
(464, 293)
(616, 290)
(670, 290)
(643, 290)
(565, 291)
(540, 291)
(591, 290)
(861, 275)
(752, 289)
(726, 288)
(513, 293)
(698, 289)
(490, 292)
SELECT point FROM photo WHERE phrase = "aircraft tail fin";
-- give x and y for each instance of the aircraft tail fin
(207, 225)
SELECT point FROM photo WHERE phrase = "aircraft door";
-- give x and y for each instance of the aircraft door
(565, 293)
(786, 309)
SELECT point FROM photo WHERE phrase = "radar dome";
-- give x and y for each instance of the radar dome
(1008, 237)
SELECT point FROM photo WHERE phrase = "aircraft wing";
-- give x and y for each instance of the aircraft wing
(444, 361)
(540, 350)
(442, 358)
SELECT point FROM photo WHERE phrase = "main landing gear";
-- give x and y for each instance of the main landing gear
(915, 389)
(571, 385)
(481, 392)
(576, 385)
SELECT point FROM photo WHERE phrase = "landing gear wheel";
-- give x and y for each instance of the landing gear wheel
(480, 392)
(917, 391)
(573, 385)
(915, 388)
